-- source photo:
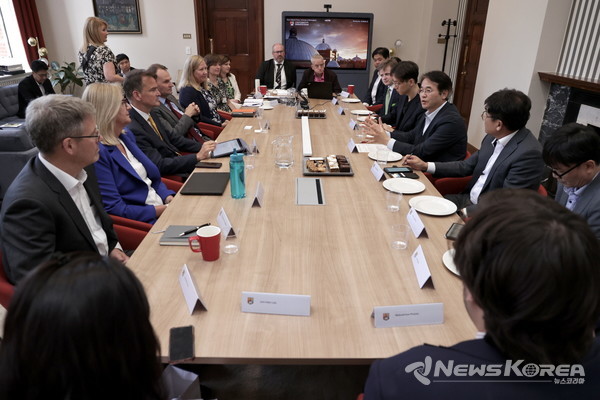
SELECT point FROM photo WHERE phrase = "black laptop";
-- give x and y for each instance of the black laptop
(320, 90)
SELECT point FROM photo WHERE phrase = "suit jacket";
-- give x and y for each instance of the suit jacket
(330, 76)
(587, 205)
(266, 74)
(39, 218)
(396, 377)
(123, 191)
(188, 95)
(163, 153)
(380, 94)
(28, 90)
(179, 126)
(444, 140)
(395, 100)
(519, 164)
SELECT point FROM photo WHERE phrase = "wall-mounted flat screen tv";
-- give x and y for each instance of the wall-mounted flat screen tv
(343, 39)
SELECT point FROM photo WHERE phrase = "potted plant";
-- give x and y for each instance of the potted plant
(68, 76)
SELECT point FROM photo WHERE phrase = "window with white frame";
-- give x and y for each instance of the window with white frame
(11, 44)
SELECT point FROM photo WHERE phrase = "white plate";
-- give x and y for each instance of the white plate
(433, 205)
(448, 260)
(360, 112)
(392, 156)
(350, 100)
(403, 185)
(267, 107)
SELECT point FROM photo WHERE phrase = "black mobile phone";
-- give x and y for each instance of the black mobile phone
(454, 230)
(204, 164)
(395, 170)
(181, 343)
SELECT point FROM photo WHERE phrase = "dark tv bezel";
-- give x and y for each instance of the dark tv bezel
(302, 64)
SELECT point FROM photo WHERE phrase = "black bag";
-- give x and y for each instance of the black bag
(86, 58)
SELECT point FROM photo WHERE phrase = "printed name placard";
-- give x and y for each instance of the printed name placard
(258, 195)
(276, 303)
(340, 110)
(352, 124)
(377, 171)
(415, 222)
(352, 146)
(421, 267)
(226, 227)
(345, 94)
(190, 291)
(334, 101)
(408, 315)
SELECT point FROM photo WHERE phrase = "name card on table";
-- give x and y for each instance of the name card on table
(340, 110)
(345, 94)
(408, 315)
(275, 303)
(258, 196)
(421, 267)
(334, 101)
(377, 171)
(190, 291)
(352, 146)
(415, 222)
(352, 124)
(226, 227)
(254, 147)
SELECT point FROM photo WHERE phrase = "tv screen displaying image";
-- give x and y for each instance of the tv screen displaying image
(342, 39)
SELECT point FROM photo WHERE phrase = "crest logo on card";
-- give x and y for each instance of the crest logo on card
(250, 300)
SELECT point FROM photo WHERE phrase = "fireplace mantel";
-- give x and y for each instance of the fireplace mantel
(591, 85)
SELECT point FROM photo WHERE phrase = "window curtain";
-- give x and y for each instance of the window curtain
(29, 25)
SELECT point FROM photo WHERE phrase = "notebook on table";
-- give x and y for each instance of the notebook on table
(320, 90)
(206, 183)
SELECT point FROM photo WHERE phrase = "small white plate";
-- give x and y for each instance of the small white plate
(360, 112)
(403, 185)
(432, 205)
(448, 260)
(392, 156)
(266, 107)
(350, 100)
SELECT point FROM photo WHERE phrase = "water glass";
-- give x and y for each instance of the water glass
(393, 200)
(400, 236)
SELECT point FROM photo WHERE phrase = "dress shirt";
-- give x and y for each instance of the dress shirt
(388, 96)
(42, 89)
(152, 199)
(374, 90)
(74, 187)
(283, 80)
(429, 116)
(574, 194)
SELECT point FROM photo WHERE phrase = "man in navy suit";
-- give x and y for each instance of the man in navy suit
(391, 97)
(532, 289)
(157, 141)
(573, 154)
(53, 206)
(35, 85)
(405, 115)
(277, 73)
(376, 91)
(440, 134)
(509, 157)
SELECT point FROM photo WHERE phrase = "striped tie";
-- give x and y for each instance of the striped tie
(278, 76)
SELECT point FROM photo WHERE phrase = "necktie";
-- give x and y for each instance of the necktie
(386, 108)
(193, 132)
(153, 125)
(278, 76)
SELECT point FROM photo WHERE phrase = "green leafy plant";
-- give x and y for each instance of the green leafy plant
(68, 76)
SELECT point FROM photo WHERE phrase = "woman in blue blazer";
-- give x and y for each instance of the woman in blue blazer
(130, 183)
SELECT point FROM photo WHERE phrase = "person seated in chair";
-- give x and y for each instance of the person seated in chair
(277, 73)
(319, 73)
(376, 91)
(531, 285)
(35, 85)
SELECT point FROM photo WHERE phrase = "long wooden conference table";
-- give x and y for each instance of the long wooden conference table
(338, 253)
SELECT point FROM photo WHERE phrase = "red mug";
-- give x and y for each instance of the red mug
(263, 89)
(351, 89)
(207, 241)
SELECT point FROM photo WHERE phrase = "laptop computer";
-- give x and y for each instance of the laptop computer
(320, 90)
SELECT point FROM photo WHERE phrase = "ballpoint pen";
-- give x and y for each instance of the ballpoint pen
(192, 230)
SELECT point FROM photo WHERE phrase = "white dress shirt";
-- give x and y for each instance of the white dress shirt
(152, 199)
(283, 80)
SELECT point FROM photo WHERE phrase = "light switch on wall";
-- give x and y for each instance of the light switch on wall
(188, 50)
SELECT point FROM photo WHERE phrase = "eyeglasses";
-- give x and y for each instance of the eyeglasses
(279, 52)
(96, 135)
(485, 115)
(427, 91)
(559, 175)
(124, 101)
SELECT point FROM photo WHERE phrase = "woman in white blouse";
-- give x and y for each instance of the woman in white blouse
(230, 85)
(130, 183)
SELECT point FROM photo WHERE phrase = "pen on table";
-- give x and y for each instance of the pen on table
(192, 230)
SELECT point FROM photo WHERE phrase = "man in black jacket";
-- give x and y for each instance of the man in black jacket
(277, 73)
(34, 86)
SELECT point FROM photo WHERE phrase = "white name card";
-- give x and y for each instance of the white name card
(258, 196)
(275, 303)
(352, 146)
(334, 101)
(254, 147)
(226, 227)
(340, 110)
(345, 94)
(352, 124)
(415, 222)
(377, 171)
(190, 291)
(421, 267)
(408, 315)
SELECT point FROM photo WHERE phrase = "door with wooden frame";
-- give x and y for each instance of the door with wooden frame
(235, 28)
(470, 52)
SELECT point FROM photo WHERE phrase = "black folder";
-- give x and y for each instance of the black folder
(206, 183)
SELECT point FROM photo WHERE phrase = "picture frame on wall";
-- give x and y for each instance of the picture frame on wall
(122, 16)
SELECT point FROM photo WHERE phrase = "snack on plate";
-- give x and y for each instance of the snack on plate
(316, 165)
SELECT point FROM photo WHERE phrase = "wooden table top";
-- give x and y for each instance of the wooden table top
(339, 253)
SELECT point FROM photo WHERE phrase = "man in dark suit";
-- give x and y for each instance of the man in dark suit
(319, 73)
(532, 289)
(376, 91)
(391, 97)
(53, 206)
(156, 140)
(277, 73)
(573, 154)
(35, 85)
(509, 156)
(405, 115)
(440, 134)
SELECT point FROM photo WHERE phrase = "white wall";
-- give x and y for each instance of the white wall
(163, 24)
(521, 38)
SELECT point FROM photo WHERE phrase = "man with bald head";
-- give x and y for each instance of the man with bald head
(277, 73)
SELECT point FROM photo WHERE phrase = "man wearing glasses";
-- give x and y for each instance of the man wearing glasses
(509, 155)
(276, 73)
(35, 85)
(405, 115)
(52, 207)
(573, 155)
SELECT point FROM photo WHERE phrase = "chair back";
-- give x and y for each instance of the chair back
(6, 288)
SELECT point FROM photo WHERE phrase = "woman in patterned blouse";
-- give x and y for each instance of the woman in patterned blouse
(97, 61)
(214, 84)
(192, 89)
(230, 85)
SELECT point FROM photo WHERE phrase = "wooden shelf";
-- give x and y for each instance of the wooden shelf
(592, 85)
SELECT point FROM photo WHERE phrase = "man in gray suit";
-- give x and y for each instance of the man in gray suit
(509, 157)
(54, 205)
(573, 155)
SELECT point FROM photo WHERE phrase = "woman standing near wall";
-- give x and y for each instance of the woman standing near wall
(97, 60)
